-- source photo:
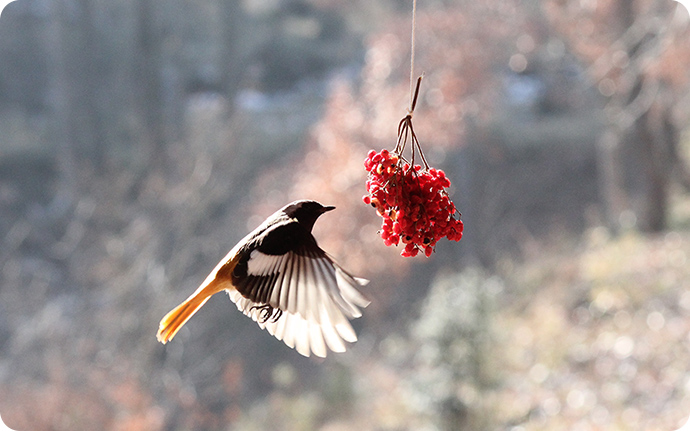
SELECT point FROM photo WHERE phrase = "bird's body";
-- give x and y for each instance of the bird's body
(282, 279)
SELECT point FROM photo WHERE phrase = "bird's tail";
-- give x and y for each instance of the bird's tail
(173, 321)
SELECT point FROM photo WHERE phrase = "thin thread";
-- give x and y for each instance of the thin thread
(412, 47)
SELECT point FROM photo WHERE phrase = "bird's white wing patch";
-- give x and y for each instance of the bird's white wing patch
(261, 264)
(312, 298)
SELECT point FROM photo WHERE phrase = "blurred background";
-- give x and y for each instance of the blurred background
(141, 139)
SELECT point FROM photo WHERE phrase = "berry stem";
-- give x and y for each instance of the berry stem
(413, 105)
(406, 131)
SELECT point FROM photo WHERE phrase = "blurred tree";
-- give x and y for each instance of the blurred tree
(632, 49)
(450, 345)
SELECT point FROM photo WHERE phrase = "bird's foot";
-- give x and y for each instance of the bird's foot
(266, 313)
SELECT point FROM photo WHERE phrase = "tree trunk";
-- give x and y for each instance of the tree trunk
(232, 59)
(659, 139)
(611, 177)
(148, 84)
(61, 107)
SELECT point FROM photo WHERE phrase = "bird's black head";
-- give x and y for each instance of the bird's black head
(306, 212)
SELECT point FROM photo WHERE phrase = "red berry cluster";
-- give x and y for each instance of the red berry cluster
(413, 202)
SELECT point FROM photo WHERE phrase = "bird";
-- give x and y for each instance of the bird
(279, 277)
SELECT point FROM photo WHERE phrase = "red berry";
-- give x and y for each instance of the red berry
(412, 201)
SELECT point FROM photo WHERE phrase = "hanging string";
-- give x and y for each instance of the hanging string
(412, 47)
(405, 129)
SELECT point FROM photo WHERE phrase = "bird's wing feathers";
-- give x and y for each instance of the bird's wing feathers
(315, 295)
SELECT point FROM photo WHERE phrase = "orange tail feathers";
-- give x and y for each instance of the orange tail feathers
(173, 321)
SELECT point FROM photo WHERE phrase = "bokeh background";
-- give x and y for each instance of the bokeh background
(140, 139)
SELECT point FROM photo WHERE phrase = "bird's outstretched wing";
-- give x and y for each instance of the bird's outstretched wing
(302, 297)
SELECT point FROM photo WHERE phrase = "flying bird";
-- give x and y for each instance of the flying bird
(282, 279)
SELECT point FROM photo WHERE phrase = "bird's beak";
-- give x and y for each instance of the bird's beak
(327, 208)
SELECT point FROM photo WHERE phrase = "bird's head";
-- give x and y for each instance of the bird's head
(306, 212)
